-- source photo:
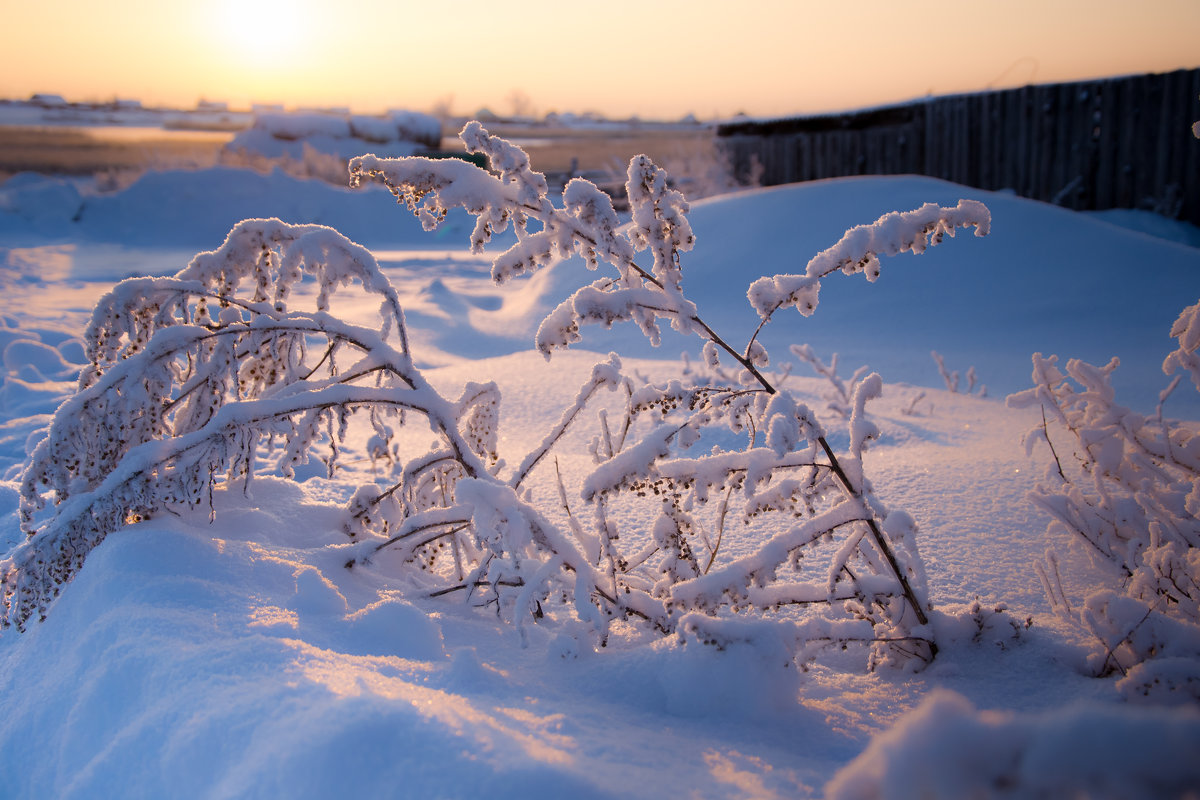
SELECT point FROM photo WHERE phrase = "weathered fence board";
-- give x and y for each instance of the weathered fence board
(1115, 143)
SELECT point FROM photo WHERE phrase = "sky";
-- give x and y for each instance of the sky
(656, 59)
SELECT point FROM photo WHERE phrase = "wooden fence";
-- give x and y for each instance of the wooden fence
(1113, 143)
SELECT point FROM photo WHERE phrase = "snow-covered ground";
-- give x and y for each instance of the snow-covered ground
(238, 658)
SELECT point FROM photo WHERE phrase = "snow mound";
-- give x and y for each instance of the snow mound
(948, 749)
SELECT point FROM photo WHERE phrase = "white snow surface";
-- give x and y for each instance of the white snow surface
(238, 657)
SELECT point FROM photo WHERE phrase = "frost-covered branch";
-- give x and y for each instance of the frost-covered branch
(858, 251)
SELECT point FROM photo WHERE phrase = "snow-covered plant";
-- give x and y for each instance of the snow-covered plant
(210, 376)
(911, 408)
(203, 379)
(821, 561)
(982, 624)
(1126, 488)
(841, 393)
(951, 378)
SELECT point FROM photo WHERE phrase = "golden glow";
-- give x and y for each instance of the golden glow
(656, 59)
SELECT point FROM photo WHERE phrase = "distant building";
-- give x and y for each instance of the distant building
(48, 100)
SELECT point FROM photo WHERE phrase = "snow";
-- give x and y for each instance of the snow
(239, 657)
(946, 748)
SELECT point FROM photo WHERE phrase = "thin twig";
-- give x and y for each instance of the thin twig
(877, 536)
(721, 511)
(462, 524)
(328, 352)
(1053, 452)
(477, 584)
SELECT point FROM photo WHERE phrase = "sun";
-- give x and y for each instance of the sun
(264, 33)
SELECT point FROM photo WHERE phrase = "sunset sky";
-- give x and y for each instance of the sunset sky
(652, 58)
